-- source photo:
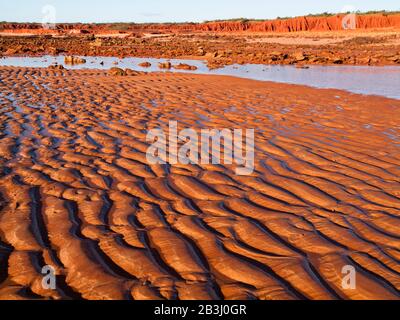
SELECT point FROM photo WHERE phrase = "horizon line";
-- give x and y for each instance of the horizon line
(217, 20)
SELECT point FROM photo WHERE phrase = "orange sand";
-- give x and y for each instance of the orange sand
(78, 194)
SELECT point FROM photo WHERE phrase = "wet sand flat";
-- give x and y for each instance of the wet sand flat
(77, 193)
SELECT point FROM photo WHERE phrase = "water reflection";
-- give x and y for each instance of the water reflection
(383, 81)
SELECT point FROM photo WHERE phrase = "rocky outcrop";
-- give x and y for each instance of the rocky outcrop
(145, 64)
(74, 60)
(165, 65)
(117, 72)
(184, 66)
(56, 67)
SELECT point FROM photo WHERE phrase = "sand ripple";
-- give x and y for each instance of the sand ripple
(77, 192)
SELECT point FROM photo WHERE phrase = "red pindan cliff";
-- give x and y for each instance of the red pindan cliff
(305, 24)
(310, 23)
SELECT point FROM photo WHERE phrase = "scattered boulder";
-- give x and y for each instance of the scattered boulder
(15, 50)
(74, 60)
(316, 59)
(130, 72)
(337, 60)
(56, 67)
(98, 42)
(221, 54)
(200, 51)
(114, 71)
(299, 56)
(276, 55)
(53, 51)
(165, 65)
(145, 64)
(211, 55)
(364, 60)
(395, 59)
(184, 66)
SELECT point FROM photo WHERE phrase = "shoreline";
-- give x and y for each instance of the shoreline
(210, 64)
(134, 67)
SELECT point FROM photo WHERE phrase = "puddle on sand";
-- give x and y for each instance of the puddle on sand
(382, 81)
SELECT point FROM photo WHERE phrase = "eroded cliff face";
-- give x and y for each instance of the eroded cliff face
(305, 24)
(330, 23)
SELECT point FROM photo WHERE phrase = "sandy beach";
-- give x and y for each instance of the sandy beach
(77, 193)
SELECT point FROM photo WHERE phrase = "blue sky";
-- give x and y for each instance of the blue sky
(177, 10)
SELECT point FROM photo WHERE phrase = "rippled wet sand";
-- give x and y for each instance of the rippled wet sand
(78, 194)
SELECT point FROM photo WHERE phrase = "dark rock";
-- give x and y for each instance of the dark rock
(116, 72)
(165, 65)
(145, 64)
(184, 66)
(299, 56)
(56, 67)
(74, 60)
